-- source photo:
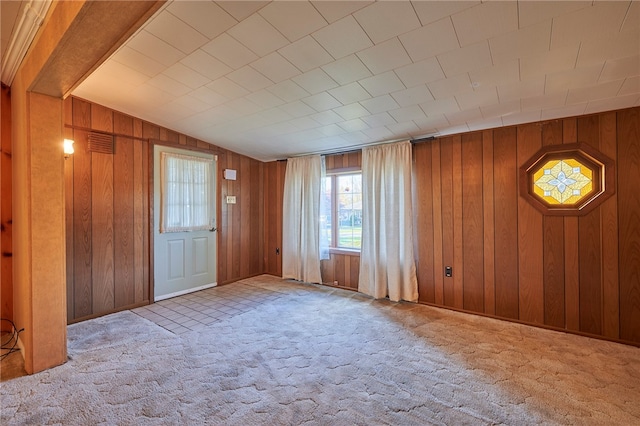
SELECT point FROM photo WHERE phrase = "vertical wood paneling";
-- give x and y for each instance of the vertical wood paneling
(530, 237)
(628, 130)
(472, 217)
(488, 223)
(147, 223)
(590, 246)
(446, 169)
(506, 222)
(69, 248)
(458, 261)
(81, 113)
(553, 248)
(355, 272)
(101, 118)
(245, 212)
(236, 222)
(82, 217)
(609, 214)
(423, 223)
(438, 266)
(338, 269)
(571, 257)
(257, 220)
(139, 213)
(102, 260)
(123, 226)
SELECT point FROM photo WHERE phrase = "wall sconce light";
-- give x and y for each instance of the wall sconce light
(68, 148)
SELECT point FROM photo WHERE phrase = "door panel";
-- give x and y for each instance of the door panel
(183, 261)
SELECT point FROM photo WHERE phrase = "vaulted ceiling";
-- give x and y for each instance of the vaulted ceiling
(276, 79)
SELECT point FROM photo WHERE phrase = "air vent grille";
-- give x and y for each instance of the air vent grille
(100, 142)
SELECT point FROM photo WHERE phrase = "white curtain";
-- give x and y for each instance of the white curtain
(185, 193)
(301, 219)
(387, 265)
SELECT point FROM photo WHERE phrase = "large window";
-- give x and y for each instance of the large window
(343, 222)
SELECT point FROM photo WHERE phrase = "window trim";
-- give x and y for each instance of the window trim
(333, 174)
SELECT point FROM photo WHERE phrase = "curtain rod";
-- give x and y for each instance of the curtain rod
(356, 148)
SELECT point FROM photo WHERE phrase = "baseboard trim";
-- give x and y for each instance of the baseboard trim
(182, 292)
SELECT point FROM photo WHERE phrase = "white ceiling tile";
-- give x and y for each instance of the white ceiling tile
(484, 124)
(186, 75)
(355, 137)
(304, 123)
(440, 106)
(169, 85)
(326, 117)
(484, 21)
(205, 64)
(241, 9)
(522, 117)
(205, 16)
(297, 109)
(288, 91)
(265, 99)
(380, 104)
(306, 54)
(527, 41)
(384, 56)
(275, 67)
(249, 78)
(353, 125)
(176, 32)
(569, 79)
(431, 123)
(480, 96)
(632, 18)
(343, 38)
(564, 111)
(468, 58)
(274, 115)
(407, 113)
(620, 68)
(378, 134)
(630, 86)
(460, 117)
(431, 11)
(315, 81)
(209, 96)
(382, 83)
(331, 130)
(258, 35)
(421, 72)
(612, 104)
(243, 106)
(591, 93)
(155, 95)
(227, 88)
(602, 19)
(377, 120)
(430, 40)
(159, 50)
(230, 51)
(451, 86)
(500, 74)
(347, 70)
(192, 102)
(498, 110)
(403, 130)
(384, 20)
(351, 111)
(293, 19)
(322, 102)
(522, 89)
(414, 96)
(349, 93)
(138, 61)
(617, 46)
(549, 62)
(334, 10)
(533, 12)
(545, 101)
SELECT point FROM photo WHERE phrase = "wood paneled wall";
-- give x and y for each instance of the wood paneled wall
(273, 184)
(579, 274)
(6, 245)
(110, 219)
(576, 273)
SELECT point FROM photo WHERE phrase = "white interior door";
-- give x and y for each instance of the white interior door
(183, 261)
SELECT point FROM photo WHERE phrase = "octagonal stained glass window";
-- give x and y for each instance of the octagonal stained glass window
(567, 179)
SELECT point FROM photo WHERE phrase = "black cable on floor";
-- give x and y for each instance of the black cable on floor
(12, 342)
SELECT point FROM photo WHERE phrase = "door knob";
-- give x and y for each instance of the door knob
(213, 229)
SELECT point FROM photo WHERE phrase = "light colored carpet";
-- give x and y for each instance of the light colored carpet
(320, 356)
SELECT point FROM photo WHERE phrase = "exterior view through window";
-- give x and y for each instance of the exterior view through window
(343, 221)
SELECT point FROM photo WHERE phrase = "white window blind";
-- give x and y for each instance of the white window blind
(185, 198)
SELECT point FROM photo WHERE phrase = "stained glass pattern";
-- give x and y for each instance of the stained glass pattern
(563, 182)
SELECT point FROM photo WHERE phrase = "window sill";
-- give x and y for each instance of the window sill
(344, 251)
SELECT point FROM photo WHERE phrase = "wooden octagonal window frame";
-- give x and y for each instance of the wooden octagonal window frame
(594, 185)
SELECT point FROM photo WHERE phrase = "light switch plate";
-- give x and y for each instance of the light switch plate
(231, 199)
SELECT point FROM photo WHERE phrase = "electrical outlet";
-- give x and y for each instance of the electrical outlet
(448, 272)
(231, 199)
(278, 251)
